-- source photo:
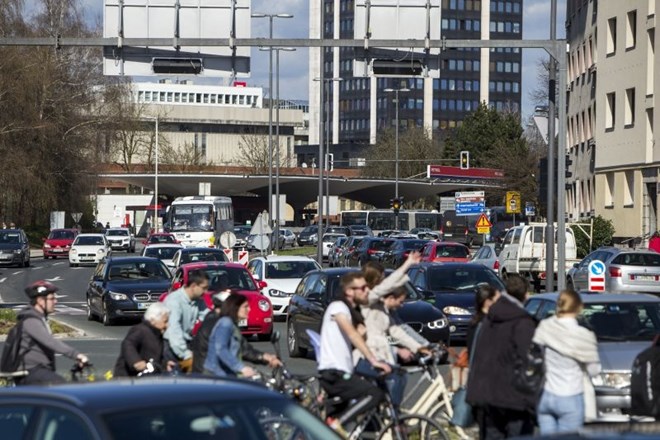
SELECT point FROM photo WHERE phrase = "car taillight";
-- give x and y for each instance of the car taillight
(542, 275)
(371, 251)
(466, 231)
(496, 266)
(615, 272)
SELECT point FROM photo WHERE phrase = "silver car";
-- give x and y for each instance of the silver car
(626, 270)
(487, 255)
(625, 325)
(337, 252)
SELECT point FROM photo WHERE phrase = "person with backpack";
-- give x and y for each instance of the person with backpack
(504, 409)
(36, 345)
(571, 359)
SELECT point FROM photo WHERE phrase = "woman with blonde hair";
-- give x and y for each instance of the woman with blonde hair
(571, 358)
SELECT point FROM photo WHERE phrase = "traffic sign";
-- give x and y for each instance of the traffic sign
(530, 209)
(596, 271)
(243, 257)
(228, 239)
(483, 222)
(229, 252)
(513, 202)
(76, 216)
(470, 202)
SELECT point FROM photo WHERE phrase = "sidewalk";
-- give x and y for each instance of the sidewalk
(36, 253)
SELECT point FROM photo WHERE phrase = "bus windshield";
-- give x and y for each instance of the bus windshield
(353, 218)
(191, 218)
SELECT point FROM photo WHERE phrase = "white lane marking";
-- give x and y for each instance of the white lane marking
(16, 273)
(54, 279)
(60, 296)
(3, 280)
(57, 264)
(37, 267)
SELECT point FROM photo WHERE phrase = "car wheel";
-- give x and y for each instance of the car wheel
(90, 315)
(107, 321)
(292, 342)
(27, 263)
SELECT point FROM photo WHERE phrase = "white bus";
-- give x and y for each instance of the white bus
(198, 221)
(383, 219)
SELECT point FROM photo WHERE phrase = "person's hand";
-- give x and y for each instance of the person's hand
(382, 366)
(405, 354)
(140, 366)
(248, 371)
(82, 359)
(170, 366)
(425, 351)
(272, 360)
(414, 257)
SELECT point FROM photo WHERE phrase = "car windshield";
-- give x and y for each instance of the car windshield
(380, 245)
(289, 269)
(137, 270)
(451, 252)
(190, 257)
(9, 237)
(330, 238)
(623, 321)
(117, 232)
(309, 230)
(461, 278)
(89, 241)
(413, 244)
(162, 239)
(229, 420)
(61, 235)
(192, 218)
(221, 278)
(638, 259)
(242, 231)
(162, 253)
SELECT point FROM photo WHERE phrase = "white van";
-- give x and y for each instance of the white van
(522, 251)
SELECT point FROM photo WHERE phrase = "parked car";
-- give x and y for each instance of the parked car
(328, 241)
(345, 230)
(125, 287)
(350, 245)
(397, 253)
(445, 252)
(361, 230)
(120, 239)
(319, 288)
(58, 243)
(626, 270)
(389, 232)
(164, 252)
(160, 238)
(164, 408)
(89, 249)
(451, 288)
(487, 255)
(308, 236)
(289, 238)
(14, 247)
(238, 279)
(336, 253)
(197, 254)
(280, 276)
(369, 249)
(625, 325)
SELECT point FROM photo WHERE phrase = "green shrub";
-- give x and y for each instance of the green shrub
(602, 233)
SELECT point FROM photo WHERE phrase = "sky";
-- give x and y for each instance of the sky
(294, 65)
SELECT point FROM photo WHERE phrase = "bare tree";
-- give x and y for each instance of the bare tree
(253, 153)
(183, 158)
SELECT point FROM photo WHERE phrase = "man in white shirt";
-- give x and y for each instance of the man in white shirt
(339, 334)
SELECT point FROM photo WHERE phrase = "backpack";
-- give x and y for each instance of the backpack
(645, 382)
(12, 357)
(529, 371)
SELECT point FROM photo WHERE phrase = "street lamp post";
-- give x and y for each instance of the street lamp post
(396, 143)
(270, 17)
(155, 224)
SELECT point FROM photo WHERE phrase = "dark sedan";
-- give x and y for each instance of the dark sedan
(399, 250)
(14, 247)
(125, 287)
(159, 408)
(451, 288)
(369, 249)
(320, 287)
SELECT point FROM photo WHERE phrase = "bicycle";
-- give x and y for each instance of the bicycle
(9, 380)
(85, 372)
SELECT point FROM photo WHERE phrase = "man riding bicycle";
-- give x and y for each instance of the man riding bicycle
(38, 346)
(339, 334)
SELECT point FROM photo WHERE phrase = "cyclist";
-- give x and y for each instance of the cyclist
(37, 342)
(339, 334)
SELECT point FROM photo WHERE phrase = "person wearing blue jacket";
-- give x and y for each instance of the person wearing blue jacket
(228, 349)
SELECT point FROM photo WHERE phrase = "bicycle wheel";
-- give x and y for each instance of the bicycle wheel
(413, 427)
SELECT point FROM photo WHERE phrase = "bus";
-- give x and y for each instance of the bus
(198, 221)
(383, 219)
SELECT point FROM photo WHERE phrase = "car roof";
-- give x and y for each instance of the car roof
(200, 249)
(90, 235)
(124, 395)
(449, 265)
(591, 298)
(131, 258)
(160, 234)
(284, 258)
(64, 229)
(164, 245)
(207, 264)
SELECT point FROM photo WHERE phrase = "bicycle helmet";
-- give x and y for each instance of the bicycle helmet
(40, 288)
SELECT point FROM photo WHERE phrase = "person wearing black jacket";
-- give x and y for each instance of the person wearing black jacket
(200, 343)
(505, 336)
(144, 343)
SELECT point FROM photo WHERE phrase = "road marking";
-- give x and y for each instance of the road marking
(3, 280)
(53, 279)
(16, 273)
(37, 267)
(57, 264)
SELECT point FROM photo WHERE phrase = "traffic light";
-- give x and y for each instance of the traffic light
(395, 204)
(569, 162)
(465, 160)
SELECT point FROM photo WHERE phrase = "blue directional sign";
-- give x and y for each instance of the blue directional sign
(597, 268)
(470, 208)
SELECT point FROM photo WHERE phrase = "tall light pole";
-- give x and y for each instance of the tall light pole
(155, 224)
(396, 143)
(270, 17)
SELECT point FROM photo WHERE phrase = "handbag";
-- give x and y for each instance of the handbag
(462, 415)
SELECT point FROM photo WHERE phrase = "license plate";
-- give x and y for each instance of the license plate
(5, 257)
(644, 277)
(57, 250)
(242, 323)
(143, 306)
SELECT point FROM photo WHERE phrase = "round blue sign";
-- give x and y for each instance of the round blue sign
(597, 268)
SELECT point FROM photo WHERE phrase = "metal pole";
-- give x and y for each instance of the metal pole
(327, 154)
(277, 151)
(319, 223)
(550, 228)
(270, 123)
(396, 161)
(561, 174)
(156, 183)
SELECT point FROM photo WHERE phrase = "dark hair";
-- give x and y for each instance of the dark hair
(231, 305)
(569, 301)
(517, 287)
(346, 280)
(397, 293)
(196, 277)
(483, 293)
(373, 273)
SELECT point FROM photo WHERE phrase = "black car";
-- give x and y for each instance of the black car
(308, 236)
(125, 287)
(319, 288)
(14, 247)
(164, 408)
(399, 250)
(361, 230)
(451, 287)
(369, 249)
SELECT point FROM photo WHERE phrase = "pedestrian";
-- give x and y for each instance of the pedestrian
(200, 342)
(654, 242)
(186, 307)
(485, 296)
(144, 344)
(107, 225)
(504, 338)
(4, 225)
(571, 359)
(12, 225)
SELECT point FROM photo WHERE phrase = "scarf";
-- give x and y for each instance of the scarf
(571, 341)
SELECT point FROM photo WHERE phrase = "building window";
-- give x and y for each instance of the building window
(629, 189)
(609, 190)
(611, 36)
(650, 66)
(629, 118)
(631, 30)
(610, 113)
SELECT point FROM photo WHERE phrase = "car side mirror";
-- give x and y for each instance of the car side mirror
(576, 265)
(262, 284)
(176, 286)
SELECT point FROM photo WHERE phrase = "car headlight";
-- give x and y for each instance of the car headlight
(101, 251)
(264, 305)
(47, 246)
(613, 380)
(118, 296)
(453, 310)
(18, 251)
(275, 292)
(438, 324)
(74, 251)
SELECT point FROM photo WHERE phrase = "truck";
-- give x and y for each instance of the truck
(523, 251)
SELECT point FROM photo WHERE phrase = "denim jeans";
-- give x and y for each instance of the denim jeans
(560, 413)
(396, 385)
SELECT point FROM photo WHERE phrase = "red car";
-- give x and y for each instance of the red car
(239, 280)
(445, 252)
(58, 243)
(160, 238)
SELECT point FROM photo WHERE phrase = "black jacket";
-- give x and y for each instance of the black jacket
(506, 334)
(143, 342)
